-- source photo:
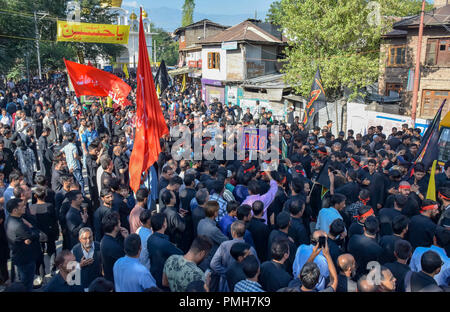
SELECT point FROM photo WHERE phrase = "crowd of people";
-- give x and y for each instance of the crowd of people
(210, 225)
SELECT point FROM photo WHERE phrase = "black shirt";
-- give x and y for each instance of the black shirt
(111, 250)
(345, 284)
(298, 232)
(235, 274)
(17, 233)
(421, 231)
(46, 220)
(386, 216)
(159, 249)
(356, 228)
(260, 233)
(399, 271)
(58, 284)
(387, 242)
(175, 225)
(74, 224)
(364, 249)
(420, 280)
(273, 276)
(277, 234)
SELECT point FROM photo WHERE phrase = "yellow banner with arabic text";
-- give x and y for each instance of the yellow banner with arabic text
(95, 33)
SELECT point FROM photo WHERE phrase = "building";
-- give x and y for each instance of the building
(189, 38)
(131, 55)
(236, 55)
(398, 55)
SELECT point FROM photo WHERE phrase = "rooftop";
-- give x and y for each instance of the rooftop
(200, 23)
(245, 31)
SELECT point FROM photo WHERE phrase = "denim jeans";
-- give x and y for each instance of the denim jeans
(26, 274)
(77, 173)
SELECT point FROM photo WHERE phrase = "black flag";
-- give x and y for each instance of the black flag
(429, 149)
(317, 100)
(162, 77)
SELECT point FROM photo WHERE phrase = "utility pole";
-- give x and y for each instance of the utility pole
(37, 45)
(417, 70)
(154, 51)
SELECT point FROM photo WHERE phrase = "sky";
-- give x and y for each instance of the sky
(231, 7)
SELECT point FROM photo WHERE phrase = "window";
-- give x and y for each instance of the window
(432, 100)
(438, 52)
(397, 55)
(395, 87)
(214, 60)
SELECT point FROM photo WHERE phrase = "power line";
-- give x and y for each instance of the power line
(25, 38)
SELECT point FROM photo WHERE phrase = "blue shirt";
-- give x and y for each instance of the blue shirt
(443, 276)
(302, 255)
(144, 234)
(248, 286)
(326, 217)
(131, 276)
(225, 222)
(222, 205)
(7, 195)
(88, 136)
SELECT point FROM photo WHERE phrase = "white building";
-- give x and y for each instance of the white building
(131, 55)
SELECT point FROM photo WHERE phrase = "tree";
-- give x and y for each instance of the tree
(341, 37)
(188, 13)
(166, 48)
(19, 22)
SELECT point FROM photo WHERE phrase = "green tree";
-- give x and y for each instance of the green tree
(188, 13)
(166, 48)
(341, 37)
(19, 22)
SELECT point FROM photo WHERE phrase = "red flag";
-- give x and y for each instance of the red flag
(88, 80)
(150, 123)
(89, 63)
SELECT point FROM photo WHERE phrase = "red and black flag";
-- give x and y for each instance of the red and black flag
(317, 100)
(162, 79)
(429, 149)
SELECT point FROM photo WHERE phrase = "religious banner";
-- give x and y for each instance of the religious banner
(87, 32)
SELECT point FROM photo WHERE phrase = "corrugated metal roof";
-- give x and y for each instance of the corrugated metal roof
(435, 17)
(272, 81)
(245, 31)
(200, 23)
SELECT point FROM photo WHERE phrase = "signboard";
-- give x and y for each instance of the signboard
(108, 69)
(229, 45)
(87, 32)
(254, 139)
(192, 64)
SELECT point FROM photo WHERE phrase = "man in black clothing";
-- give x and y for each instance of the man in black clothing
(105, 208)
(335, 239)
(108, 168)
(239, 251)
(159, 247)
(273, 274)
(387, 242)
(283, 222)
(92, 163)
(297, 229)
(65, 262)
(186, 195)
(75, 218)
(259, 230)
(45, 154)
(166, 175)
(173, 186)
(400, 267)
(22, 237)
(111, 246)
(347, 271)
(280, 198)
(87, 253)
(198, 213)
(9, 159)
(350, 189)
(365, 247)
(357, 228)
(421, 227)
(387, 215)
(424, 280)
(175, 220)
(60, 169)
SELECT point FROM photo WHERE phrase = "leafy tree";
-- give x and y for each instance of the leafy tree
(15, 51)
(338, 36)
(188, 13)
(166, 48)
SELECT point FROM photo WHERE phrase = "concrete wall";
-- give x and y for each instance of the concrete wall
(235, 65)
(214, 74)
